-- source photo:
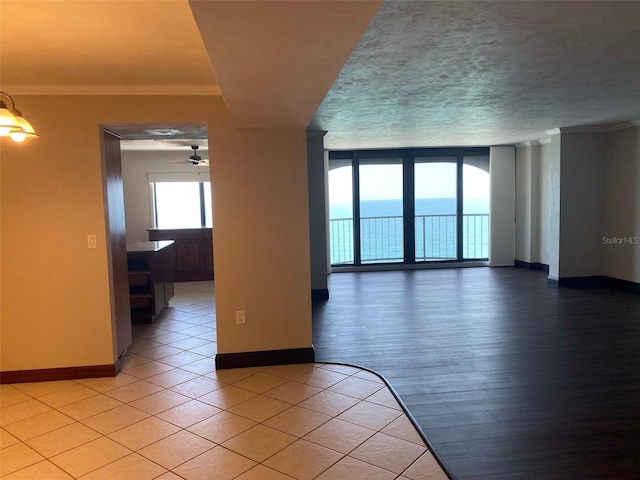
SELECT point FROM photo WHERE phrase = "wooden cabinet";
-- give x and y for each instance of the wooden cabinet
(150, 266)
(193, 252)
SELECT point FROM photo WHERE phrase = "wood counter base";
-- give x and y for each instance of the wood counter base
(150, 278)
(192, 254)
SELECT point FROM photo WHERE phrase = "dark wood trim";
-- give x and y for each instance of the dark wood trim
(624, 285)
(150, 270)
(540, 266)
(63, 373)
(118, 365)
(596, 281)
(264, 358)
(116, 238)
(319, 294)
(532, 266)
(593, 281)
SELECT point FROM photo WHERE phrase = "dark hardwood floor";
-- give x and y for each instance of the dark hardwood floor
(509, 378)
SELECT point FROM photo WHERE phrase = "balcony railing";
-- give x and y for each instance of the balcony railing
(382, 238)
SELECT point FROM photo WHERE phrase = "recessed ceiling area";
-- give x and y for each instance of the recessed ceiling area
(166, 145)
(145, 136)
(102, 47)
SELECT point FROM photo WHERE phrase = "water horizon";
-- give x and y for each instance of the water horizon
(382, 235)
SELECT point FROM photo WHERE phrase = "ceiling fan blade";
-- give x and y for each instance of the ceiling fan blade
(195, 159)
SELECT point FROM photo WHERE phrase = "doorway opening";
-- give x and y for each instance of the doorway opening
(153, 173)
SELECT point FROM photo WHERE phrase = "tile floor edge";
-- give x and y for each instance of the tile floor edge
(406, 411)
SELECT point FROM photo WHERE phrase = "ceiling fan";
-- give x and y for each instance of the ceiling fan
(194, 159)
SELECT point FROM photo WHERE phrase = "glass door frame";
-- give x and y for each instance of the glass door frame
(408, 156)
(385, 161)
(459, 192)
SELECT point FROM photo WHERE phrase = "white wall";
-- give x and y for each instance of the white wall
(622, 205)
(588, 192)
(552, 189)
(536, 182)
(581, 204)
(524, 204)
(317, 159)
(528, 200)
(502, 208)
(545, 199)
(136, 165)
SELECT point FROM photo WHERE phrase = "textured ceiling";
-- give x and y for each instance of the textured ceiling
(177, 137)
(423, 73)
(483, 73)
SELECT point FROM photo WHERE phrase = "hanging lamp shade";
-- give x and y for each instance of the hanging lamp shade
(12, 123)
(8, 121)
(26, 131)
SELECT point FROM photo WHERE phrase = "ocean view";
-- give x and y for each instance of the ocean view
(382, 236)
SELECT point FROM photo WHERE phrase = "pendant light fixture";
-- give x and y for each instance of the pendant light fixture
(12, 123)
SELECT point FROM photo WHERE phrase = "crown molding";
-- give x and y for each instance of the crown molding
(607, 127)
(113, 89)
(530, 143)
(602, 128)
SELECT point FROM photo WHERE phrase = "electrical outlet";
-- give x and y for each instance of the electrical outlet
(91, 241)
(240, 317)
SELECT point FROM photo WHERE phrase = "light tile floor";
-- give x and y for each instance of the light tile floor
(169, 415)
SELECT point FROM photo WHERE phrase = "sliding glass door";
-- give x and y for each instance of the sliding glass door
(475, 205)
(435, 185)
(408, 206)
(381, 210)
(341, 231)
